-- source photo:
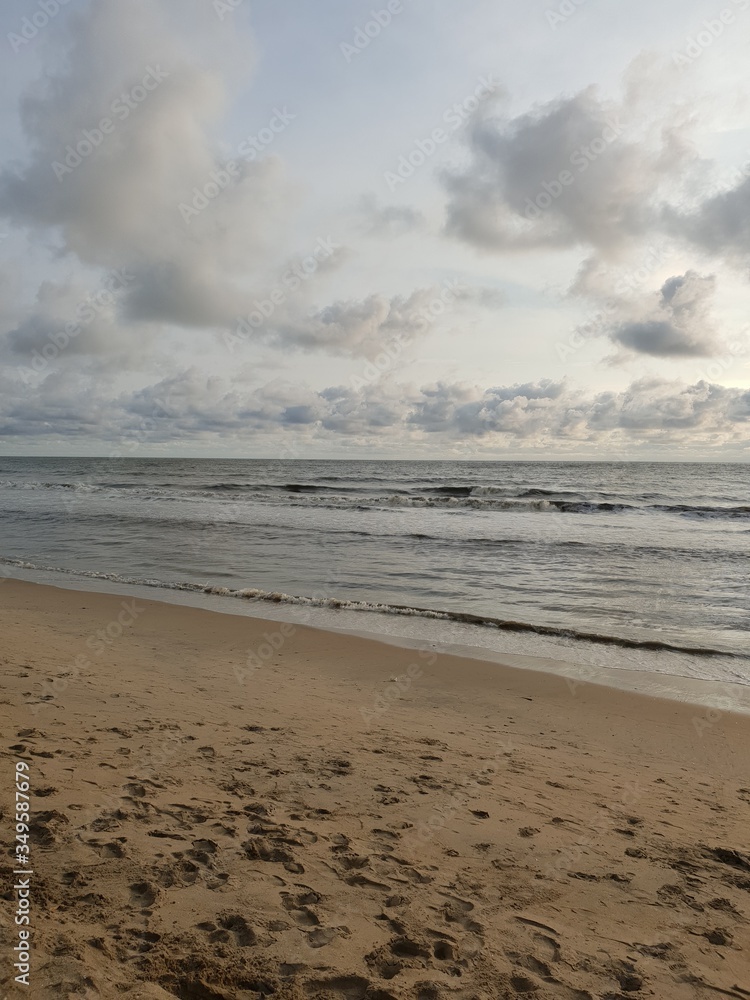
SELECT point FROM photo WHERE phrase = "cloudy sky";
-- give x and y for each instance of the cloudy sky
(414, 229)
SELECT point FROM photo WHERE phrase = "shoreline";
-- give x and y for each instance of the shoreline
(225, 807)
(724, 695)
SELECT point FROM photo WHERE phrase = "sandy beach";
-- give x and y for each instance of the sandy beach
(223, 807)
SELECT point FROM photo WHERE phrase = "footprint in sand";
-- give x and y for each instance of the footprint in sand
(347, 988)
(298, 906)
(456, 911)
(547, 947)
(304, 917)
(44, 792)
(182, 873)
(143, 894)
(203, 850)
(547, 952)
(348, 860)
(320, 937)
(523, 985)
(413, 874)
(388, 835)
(238, 927)
(397, 900)
(398, 954)
(113, 849)
(444, 950)
(105, 823)
(143, 941)
(75, 880)
(135, 791)
(45, 828)
(260, 849)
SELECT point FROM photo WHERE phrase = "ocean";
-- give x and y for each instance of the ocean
(625, 566)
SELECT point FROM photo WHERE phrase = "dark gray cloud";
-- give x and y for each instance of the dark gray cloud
(676, 325)
(576, 171)
(720, 226)
(191, 407)
(66, 405)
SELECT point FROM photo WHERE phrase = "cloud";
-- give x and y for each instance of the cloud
(66, 405)
(190, 408)
(579, 170)
(86, 312)
(387, 220)
(128, 160)
(720, 226)
(365, 327)
(70, 325)
(11, 308)
(622, 181)
(484, 296)
(514, 410)
(660, 408)
(121, 134)
(677, 325)
(361, 327)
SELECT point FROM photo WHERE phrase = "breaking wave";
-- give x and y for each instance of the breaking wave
(336, 603)
(363, 497)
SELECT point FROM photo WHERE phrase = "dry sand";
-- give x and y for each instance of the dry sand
(482, 832)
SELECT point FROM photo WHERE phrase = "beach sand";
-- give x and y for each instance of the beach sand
(222, 808)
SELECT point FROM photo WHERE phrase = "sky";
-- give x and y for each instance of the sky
(400, 229)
